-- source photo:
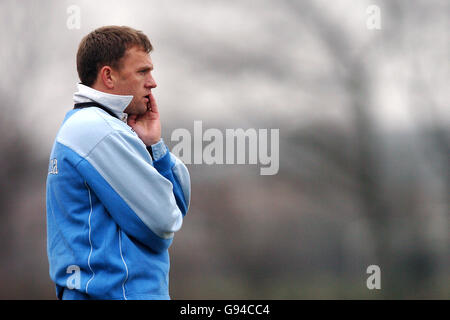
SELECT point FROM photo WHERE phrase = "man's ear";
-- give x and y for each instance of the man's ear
(106, 76)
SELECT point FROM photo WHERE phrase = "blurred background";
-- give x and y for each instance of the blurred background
(364, 124)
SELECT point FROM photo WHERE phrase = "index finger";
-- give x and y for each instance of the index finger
(153, 104)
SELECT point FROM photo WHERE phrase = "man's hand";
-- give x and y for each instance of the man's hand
(147, 125)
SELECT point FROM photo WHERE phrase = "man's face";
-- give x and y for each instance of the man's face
(134, 78)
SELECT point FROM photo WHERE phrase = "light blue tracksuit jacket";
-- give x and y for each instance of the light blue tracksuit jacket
(112, 210)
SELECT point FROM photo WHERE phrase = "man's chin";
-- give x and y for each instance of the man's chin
(138, 111)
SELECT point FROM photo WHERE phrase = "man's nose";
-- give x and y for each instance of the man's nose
(150, 83)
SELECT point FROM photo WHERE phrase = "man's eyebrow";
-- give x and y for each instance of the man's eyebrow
(146, 68)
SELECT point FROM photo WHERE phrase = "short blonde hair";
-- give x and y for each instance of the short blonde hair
(106, 46)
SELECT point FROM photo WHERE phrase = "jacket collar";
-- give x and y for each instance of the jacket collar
(116, 103)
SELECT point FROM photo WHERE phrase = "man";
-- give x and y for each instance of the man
(115, 194)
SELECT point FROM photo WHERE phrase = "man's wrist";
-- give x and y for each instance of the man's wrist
(149, 143)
